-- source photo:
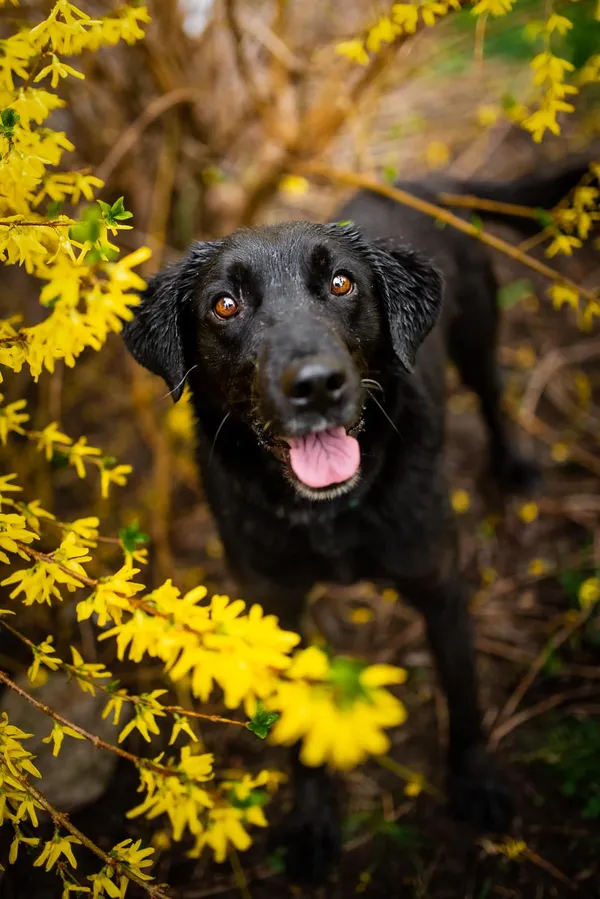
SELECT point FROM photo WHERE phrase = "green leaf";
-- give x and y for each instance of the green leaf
(553, 665)
(9, 118)
(405, 835)
(87, 229)
(132, 537)
(101, 253)
(345, 223)
(477, 222)
(276, 861)
(390, 174)
(58, 459)
(512, 294)
(544, 218)
(344, 675)
(508, 102)
(54, 208)
(255, 797)
(115, 213)
(262, 721)
(571, 580)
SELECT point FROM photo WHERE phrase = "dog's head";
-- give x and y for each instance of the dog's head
(282, 326)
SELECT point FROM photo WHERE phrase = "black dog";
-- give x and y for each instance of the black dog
(317, 378)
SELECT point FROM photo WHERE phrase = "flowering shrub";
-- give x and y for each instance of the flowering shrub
(87, 291)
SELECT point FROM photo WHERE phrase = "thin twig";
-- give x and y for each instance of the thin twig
(96, 741)
(408, 774)
(62, 820)
(540, 708)
(134, 131)
(19, 223)
(273, 43)
(245, 68)
(470, 202)
(538, 428)
(560, 637)
(137, 603)
(73, 671)
(547, 368)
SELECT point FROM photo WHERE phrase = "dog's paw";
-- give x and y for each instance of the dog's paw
(479, 796)
(516, 474)
(310, 841)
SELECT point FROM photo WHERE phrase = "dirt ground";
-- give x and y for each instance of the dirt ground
(523, 576)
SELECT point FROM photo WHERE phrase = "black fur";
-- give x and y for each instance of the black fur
(394, 524)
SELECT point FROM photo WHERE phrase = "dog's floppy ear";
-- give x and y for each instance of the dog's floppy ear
(411, 290)
(154, 337)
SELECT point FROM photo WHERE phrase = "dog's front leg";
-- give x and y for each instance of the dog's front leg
(476, 792)
(311, 834)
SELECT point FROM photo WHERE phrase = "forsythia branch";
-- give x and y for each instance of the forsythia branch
(62, 820)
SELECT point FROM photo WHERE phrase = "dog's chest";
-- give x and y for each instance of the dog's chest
(358, 544)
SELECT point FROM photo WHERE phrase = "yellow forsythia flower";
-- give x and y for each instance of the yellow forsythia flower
(461, 501)
(538, 567)
(293, 185)
(529, 512)
(437, 154)
(353, 50)
(341, 713)
(589, 592)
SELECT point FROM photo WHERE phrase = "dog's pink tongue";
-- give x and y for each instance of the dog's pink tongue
(325, 458)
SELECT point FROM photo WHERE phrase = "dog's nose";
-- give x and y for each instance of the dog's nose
(317, 383)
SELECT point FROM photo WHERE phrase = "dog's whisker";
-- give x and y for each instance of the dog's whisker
(371, 382)
(214, 443)
(377, 403)
(183, 380)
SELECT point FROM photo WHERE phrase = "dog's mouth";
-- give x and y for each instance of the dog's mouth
(324, 459)
(323, 463)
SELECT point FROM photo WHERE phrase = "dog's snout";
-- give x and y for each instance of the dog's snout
(317, 384)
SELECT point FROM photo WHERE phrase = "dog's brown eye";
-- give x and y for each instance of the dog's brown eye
(341, 285)
(226, 307)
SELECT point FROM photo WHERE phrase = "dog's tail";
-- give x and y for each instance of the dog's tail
(535, 191)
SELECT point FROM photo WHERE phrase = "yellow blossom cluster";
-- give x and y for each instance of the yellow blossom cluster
(404, 19)
(56, 445)
(571, 225)
(21, 803)
(337, 707)
(87, 290)
(550, 71)
(243, 653)
(550, 74)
